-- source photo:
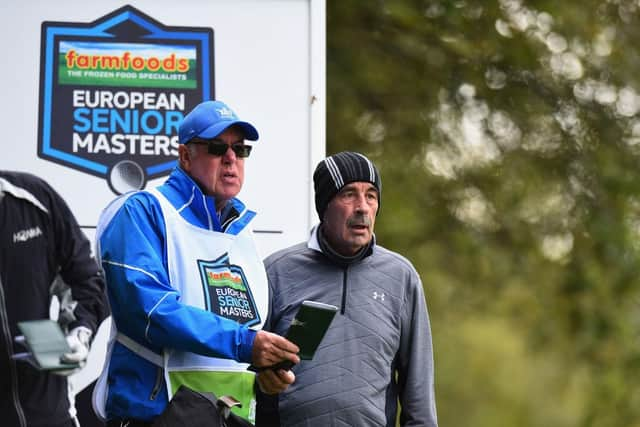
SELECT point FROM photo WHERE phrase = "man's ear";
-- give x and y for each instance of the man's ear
(184, 157)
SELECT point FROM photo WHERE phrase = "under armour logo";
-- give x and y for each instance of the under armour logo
(377, 295)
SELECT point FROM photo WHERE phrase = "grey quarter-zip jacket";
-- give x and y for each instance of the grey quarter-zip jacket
(377, 352)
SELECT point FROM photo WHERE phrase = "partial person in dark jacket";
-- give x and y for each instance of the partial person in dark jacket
(41, 243)
(377, 352)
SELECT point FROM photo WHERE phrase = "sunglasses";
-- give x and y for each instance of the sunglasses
(216, 147)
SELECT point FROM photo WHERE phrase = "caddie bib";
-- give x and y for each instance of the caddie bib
(221, 273)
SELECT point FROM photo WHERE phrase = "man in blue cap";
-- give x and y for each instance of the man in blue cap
(187, 287)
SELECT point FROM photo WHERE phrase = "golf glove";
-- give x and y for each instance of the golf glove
(79, 340)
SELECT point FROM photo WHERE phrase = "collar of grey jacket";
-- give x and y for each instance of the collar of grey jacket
(339, 259)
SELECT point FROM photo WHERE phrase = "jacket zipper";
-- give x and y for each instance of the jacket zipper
(344, 290)
(158, 383)
(6, 333)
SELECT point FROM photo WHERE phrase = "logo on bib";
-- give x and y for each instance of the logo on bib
(227, 292)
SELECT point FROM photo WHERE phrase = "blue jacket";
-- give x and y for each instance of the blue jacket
(147, 309)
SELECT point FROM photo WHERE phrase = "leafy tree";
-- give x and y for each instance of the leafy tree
(508, 138)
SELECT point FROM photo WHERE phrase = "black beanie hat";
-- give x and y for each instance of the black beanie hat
(338, 170)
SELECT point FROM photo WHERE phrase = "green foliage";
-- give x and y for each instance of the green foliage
(507, 134)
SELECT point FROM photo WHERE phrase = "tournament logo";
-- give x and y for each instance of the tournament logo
(113, 92)
(226, 291)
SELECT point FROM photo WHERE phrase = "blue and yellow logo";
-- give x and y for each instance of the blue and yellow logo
(113, 93)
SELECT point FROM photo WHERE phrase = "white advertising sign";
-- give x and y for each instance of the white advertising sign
(94, 92)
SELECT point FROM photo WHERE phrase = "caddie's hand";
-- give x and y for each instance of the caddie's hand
(274, 382)
(269, 349)
(79, 340)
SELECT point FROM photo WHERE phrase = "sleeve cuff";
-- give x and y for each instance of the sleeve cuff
(246, 345)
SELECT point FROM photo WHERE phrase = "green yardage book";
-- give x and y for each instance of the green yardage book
(309, 326)
(47, 344)
(306, 331)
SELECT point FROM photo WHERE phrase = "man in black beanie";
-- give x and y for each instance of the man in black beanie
(377, 355)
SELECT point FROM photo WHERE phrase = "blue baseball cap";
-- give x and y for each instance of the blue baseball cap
(209, 119)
